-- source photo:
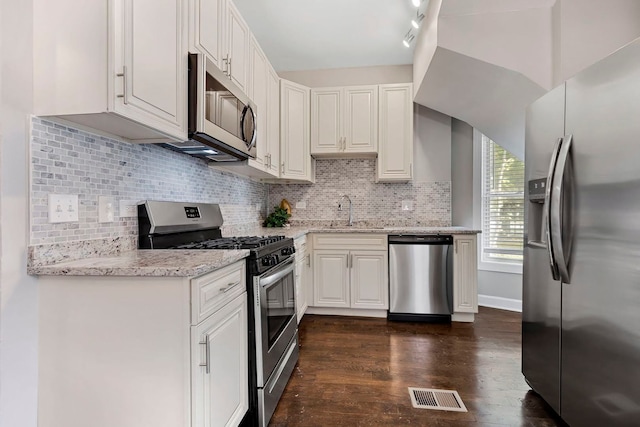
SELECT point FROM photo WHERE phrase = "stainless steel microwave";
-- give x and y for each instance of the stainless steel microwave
(221, 118)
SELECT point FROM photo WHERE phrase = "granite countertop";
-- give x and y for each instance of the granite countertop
(186, 263)
(155, 263)
(299, 231)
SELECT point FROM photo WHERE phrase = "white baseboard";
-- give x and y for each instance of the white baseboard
(499, 302)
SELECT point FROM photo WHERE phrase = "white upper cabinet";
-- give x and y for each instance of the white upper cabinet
(344, 120)
(326, 121)
(273, 122)
(207, 25)
(217, 29)
(258, 93)
(395, 154)
(128, 79)
(295, 158)
(237, 59)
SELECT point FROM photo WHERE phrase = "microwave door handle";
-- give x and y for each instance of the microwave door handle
(249, 142)
(547, 213)
(254, 134)
(561, 199)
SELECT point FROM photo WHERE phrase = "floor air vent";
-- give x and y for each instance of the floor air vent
(442, 400)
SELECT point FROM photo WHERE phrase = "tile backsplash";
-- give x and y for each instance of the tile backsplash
(70, 161)
(372, 202)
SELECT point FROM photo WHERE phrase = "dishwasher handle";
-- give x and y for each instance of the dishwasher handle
(420, 239)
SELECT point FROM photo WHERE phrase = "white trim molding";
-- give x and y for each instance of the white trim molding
(500, 303)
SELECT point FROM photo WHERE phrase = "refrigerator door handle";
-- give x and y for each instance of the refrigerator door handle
(547, 213)
(561, 203)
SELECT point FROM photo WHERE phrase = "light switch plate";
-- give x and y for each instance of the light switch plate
(301, 205)
(106, 208)
(63, 208)
(128, 208)
(407, 205)
(258, 207)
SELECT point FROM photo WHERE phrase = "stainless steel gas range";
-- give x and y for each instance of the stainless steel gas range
(273, 331)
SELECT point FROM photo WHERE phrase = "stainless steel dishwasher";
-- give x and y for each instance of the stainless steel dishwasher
(420, 278)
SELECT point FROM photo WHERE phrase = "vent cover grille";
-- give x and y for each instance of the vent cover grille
(442, 400)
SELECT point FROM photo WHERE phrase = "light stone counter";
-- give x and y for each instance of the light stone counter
(118, 257)
(158, 263)
(298, 231)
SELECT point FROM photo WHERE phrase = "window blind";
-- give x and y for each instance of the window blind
(502, 204)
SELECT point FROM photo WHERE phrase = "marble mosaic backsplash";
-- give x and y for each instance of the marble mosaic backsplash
(373, 203)
(71, 161)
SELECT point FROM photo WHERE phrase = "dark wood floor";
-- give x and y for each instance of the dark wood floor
(355, 372)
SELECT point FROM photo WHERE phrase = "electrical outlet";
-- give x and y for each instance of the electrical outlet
(301, 205)
(106, 208)
(128, 208)
(407, 205)
(63, 208)
(258, 206)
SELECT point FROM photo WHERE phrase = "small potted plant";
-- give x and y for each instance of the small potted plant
(278, 218)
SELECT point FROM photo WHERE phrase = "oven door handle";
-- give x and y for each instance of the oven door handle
(278, 273)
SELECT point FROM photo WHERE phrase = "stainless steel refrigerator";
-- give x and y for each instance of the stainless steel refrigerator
(581, 298)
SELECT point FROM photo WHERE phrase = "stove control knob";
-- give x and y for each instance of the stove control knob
(268, 260)
(288, 251)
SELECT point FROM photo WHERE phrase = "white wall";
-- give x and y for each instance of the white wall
(586, 31)
(18, 312)
(351, 76)
(461, 173)
(431, 145)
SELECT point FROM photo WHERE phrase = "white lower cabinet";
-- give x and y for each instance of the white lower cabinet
(219, 366)
(369, 287)
(331, 278)
(143, 351)
(350, 272)
(465, 277)
(303, 263)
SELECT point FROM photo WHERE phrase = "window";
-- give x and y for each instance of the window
(502, 204)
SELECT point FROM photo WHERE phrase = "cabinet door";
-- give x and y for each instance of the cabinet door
(207, 25)
(326, 121)
(258, 94)
(465, 275)
(273, 122)
(301, 291)
(395, 154)
(330, 279)
(238, 47)
(220, 390)
(369, 279)
(150, 64)
(361, 119)
(294, 131)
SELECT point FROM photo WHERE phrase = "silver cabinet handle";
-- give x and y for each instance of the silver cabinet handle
(230, 286)
(229, 61)
(225, 65)
(282, 168)
(547, 212)
(207, 356)
(561, 202)
(308, 260)
(124, 84)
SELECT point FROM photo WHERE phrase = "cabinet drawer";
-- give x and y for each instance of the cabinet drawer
(213, 290)
(350, 241)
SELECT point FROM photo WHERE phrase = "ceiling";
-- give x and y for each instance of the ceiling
(309, 35)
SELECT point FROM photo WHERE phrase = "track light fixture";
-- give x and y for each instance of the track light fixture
(417, 20)
(408, 38)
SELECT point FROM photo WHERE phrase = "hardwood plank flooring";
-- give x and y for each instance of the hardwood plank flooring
(355, 372)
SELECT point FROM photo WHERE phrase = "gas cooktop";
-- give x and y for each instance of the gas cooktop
(244, 242)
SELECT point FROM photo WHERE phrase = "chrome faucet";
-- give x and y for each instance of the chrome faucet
(350, 208)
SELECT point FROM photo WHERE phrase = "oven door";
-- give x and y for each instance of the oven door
(275, 316)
